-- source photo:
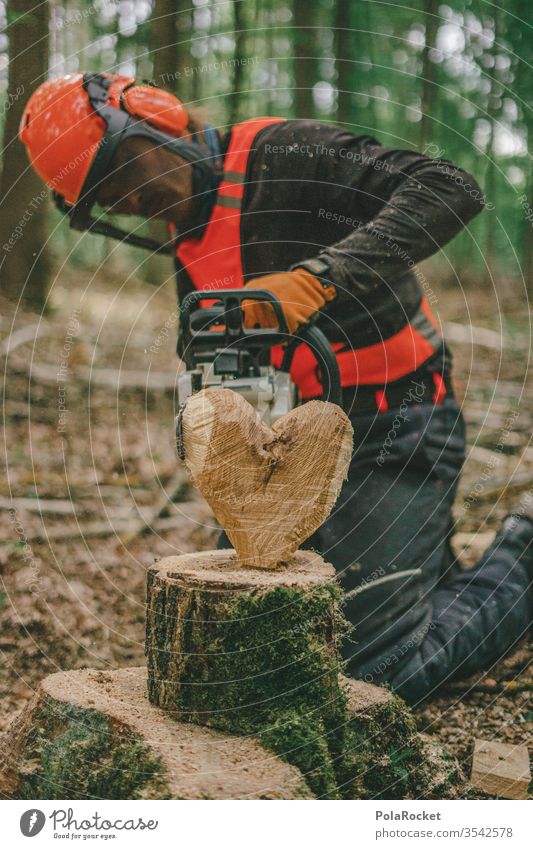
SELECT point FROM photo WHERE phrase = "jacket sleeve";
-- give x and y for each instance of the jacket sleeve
(412, 205)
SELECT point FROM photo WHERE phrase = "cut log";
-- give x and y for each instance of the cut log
(255, 652)
(223, 638)
(501, 769)
(90, 734)
(269, 488)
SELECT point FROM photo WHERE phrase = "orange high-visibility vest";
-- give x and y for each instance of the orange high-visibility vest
(214, 262)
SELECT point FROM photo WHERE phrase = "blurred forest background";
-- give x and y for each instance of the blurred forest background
(452, 79)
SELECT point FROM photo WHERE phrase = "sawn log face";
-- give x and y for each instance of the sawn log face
(269, 488)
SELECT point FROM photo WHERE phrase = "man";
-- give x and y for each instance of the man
(333, 224)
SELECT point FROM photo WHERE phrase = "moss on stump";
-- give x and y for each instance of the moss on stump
(90, 734)
(256, 652)
(385, 756)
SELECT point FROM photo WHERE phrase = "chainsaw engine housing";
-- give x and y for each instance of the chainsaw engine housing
(218, 351)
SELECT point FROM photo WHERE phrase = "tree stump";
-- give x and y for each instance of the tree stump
(223, 639)
(91, 734)
(255, 652)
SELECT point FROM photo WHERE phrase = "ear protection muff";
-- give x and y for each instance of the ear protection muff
(151, 112)
(160, 108)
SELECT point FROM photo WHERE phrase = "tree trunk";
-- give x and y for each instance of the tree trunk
(167, 72)
(370, 123)
(527, 237)
(345, 55)
(264, 43)
(186, 655)
(305, 58)
(24, 257)
(255, 652)
(163, 44)
(493, 112)
(239, 26)
(428, 72)
(94, 734)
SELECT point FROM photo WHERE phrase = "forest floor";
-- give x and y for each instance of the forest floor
(93, 492)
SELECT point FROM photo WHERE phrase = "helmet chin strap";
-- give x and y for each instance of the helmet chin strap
(119, 125)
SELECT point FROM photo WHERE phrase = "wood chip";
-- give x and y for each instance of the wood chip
(501, 769)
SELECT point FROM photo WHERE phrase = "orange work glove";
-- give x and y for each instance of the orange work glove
(300, 294)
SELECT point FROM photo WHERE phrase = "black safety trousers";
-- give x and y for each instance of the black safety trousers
(418, 619)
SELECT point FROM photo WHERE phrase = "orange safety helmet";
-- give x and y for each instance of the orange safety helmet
(72, 126)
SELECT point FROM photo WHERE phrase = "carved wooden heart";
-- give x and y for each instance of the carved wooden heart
(269, 488)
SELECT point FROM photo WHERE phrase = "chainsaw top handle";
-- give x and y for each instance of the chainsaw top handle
(226, 319)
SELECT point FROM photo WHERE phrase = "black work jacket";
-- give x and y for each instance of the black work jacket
(372, 212)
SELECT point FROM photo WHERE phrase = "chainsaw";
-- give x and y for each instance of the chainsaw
(218, 351)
